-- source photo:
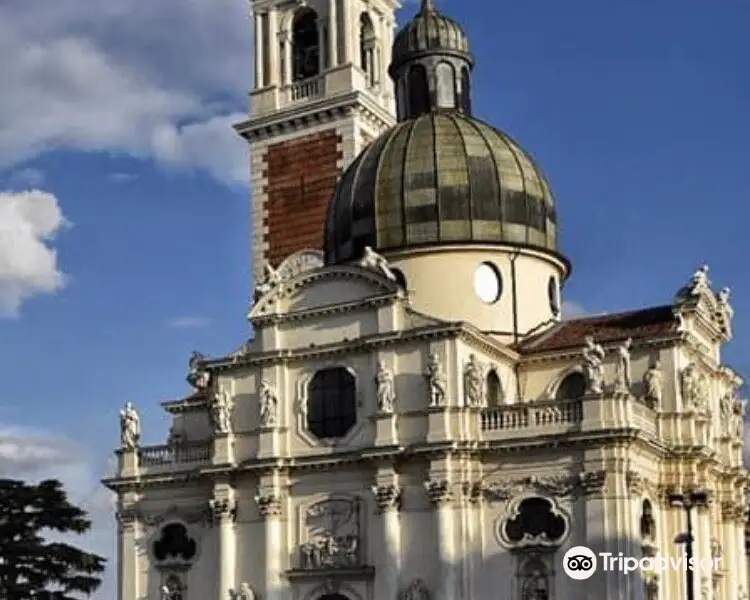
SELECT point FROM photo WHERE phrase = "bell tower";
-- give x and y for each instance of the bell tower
(321, 94)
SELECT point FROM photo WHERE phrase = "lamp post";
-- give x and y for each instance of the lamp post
(695, 499)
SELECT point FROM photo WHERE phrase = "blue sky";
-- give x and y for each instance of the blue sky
(635, 110)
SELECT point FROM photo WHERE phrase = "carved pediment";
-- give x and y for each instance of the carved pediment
(321, 290)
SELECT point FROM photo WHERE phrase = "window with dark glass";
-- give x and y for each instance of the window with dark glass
(553, 293)
(494, 389)
(419, 93)
(174, 544)
(367, 56)
(305, 45)
(466, 90)
(572, 387)
(331, 403)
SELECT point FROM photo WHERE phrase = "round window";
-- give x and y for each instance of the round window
(553, 292)
(488, 284)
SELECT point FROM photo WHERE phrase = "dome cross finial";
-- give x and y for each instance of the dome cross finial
(427, 6)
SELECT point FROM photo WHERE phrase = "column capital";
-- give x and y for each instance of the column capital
(221, 510)
(439, 491)
(269, 504)
(387, 497)
(127, 517)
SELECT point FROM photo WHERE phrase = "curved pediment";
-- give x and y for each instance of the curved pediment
(322, 288)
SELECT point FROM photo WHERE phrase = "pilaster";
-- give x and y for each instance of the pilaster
(270, 508)
(222, 513)
(439, 491)
(387, 503)
(129, 530)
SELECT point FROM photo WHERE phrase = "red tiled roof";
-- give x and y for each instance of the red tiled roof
(652, 322)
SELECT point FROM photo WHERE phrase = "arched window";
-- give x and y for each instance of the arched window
(305, 45)
(331, 403)
(367, 44)
(419, 92)
(535, 580)
(572, 387)
(648, 523)
(466, 90)
(495, 395)
(553, 295)
(446, 85)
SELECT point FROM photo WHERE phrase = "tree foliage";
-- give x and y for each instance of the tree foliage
(31, 567)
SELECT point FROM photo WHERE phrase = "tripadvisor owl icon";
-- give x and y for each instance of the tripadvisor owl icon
(579, 563)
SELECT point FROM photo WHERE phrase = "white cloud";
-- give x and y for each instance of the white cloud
(188, 322)
(28, 264)
(123, 177)
(116, 77)
(33, 455)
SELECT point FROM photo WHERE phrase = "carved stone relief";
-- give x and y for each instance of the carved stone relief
(417, 590)
(244, 592)
(694, 388)
(269, 504)
(438, 491)
(333, 535)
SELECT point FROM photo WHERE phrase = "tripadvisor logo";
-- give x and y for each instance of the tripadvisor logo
(581, 563)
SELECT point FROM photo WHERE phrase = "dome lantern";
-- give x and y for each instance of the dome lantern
(431, 65)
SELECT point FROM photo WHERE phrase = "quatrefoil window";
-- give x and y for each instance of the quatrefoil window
(174, 544)
(535, 521)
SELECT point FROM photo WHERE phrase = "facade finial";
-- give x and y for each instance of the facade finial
(427, 6)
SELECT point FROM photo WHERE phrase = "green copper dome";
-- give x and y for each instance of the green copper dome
(440, 178)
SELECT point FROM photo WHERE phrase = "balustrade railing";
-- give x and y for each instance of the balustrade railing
(535, 414)
(307, 88)
(192, 452)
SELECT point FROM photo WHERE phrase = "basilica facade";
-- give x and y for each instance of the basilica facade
(412, 417)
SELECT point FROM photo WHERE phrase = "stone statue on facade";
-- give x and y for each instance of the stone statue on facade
(271, 278)
(726, 410)
(269, 405)
(417, 590)
(376, 262)
(221, 412)
(130, 427)
(723, 299)
(740, 406)
(385, 389)
(593, 357)
(741, 593)
(623, 380)
(436, 381)
(197, 376)
(653, 381)
(693, 388)
(700, 282)
(244, 592)
(474, 382)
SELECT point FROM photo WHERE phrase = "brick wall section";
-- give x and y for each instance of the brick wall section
(301, 175)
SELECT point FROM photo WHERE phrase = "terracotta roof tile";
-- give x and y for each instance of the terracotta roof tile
(644, 323)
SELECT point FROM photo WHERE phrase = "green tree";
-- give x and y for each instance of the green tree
(31, 567)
